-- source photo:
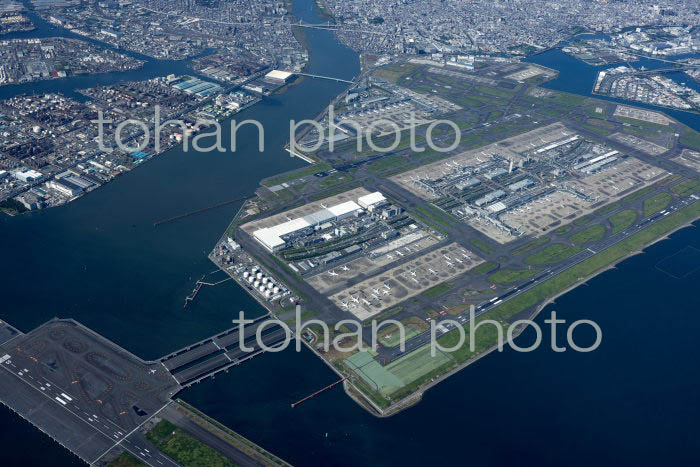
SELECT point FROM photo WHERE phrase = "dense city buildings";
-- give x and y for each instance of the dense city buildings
(476, 27)
(449, 190)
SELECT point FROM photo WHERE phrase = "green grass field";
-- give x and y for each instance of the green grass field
(438, 289)
(687, 187)
(506, 276)
(590, 234)
(531, 245)
(126, 459)
(656, 203)
(377, 377)
(638, 194)
(606, 209)
(552, 254)
(485, 268)
(334, 179)
(565, 229)
(482, 246)
(303, 172)
(184, 448)
(390, 336)
(416, 364)
(583, 220)
(622, 220)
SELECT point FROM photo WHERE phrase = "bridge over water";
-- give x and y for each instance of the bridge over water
(332, 78)
(218, 353)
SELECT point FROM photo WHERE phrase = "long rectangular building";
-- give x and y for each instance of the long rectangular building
(275, 238)
(279, 236)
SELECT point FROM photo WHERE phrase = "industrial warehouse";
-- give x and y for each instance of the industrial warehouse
(282, 235)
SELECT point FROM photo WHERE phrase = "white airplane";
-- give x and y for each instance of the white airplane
(376, 297)
(433, 272)
(354, 299)
(449, 264)
(447, 257)
(390, 257)
(386, 292)
(414, 280)
(366, 302)
(345, 268)
(399, 253)
(153, 371)
(332, 273)
(466, 255)
(376, 290)
(386, 286)
(459, 260)
(413, 273)
(344, 304)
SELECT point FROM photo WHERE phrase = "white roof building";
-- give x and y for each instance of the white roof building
(279, 75)
(271, 237)
(371, 200)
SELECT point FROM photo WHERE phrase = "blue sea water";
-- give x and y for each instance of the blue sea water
(634, 401)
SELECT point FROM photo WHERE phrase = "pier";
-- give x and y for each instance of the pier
(319, 392)
(199, 285)
(199, 211)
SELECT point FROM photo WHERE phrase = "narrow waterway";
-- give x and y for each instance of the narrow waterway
(635, 401)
